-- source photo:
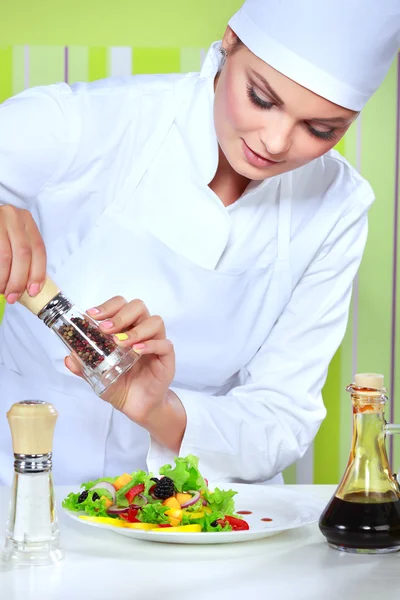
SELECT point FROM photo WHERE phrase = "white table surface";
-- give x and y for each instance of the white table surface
(297, 565)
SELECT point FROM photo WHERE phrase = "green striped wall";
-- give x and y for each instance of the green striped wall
(171, 37)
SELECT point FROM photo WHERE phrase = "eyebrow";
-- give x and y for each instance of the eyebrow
(334, 120)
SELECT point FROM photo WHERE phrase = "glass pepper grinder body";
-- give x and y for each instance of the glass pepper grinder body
(364, 514)
(32, 535)
(102, 360)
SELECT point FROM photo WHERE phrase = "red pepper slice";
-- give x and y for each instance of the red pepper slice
(164, 525)
(133, 492)
(237, 524)
(132, 512)
(130, 515)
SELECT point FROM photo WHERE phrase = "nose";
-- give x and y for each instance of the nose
(276, 135)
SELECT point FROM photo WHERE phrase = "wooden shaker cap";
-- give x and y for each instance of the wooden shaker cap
(32, 425)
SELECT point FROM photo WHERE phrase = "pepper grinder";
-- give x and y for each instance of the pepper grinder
(101, 359)
(32, 535)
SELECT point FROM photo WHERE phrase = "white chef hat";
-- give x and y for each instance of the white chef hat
(339, 49)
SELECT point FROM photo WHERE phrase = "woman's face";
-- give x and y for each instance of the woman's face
(266, 123)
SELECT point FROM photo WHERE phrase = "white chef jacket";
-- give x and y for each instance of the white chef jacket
(255, 296)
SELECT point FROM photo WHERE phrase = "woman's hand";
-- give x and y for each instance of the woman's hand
(143, 391)
(22, 254)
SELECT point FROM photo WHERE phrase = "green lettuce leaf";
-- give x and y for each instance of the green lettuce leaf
(221, 501)
(153, 513)
(103, 492)
(89, 484)
(185, 475)
(206, 522)
(71, 502)
(197, 507)
(95, 508)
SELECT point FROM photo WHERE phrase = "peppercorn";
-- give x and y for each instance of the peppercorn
(91, 347)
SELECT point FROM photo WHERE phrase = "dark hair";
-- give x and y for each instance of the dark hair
(236, 44)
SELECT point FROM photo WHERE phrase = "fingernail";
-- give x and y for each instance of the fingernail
(11, 298)
(122, 337)
(33, 289)
(93, 311)
(139, 347)
(107, 324)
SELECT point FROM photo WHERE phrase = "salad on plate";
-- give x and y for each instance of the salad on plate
(179, 500)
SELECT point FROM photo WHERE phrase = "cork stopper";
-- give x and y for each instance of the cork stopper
(32, 425)
(369, 380)
(35, 305)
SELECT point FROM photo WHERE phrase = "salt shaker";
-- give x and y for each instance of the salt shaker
(102, 360)
(32, 536)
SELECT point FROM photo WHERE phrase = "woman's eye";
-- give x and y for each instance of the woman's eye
(328, 136)
(256, 100)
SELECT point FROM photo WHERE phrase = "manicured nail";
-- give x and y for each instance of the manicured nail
(107, 324)
(122, 337)
(12, 298)
(139, 347)
(33, 289)
(93, 311)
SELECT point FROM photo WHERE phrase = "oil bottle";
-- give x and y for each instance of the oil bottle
(363, 516)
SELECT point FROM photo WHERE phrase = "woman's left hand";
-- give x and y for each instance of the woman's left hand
(144, 388)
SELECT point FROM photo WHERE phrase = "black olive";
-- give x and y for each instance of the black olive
(83, 496)
(214, 524)
(95, 496)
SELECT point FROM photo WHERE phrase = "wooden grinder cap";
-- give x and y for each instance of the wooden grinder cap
(35, 305)
(32, 425)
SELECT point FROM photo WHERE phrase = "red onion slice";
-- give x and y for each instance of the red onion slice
(116, 510)
(204, 502)
(195, 498)
(104, 485)
(145, 501)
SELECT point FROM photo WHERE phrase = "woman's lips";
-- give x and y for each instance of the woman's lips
(255, 159)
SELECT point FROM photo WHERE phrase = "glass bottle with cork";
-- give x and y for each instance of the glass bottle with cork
(102, 360)
(363, 516)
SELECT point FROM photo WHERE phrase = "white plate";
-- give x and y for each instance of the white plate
(287, 508)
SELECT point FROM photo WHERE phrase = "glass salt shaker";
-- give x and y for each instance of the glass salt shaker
(32, 535)
(102, 360)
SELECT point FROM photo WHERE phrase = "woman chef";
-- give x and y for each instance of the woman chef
(209, 206)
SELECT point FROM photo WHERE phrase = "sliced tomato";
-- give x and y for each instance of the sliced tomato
(237, 524)
(133, 492)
